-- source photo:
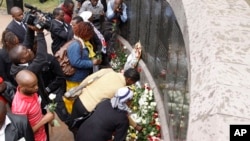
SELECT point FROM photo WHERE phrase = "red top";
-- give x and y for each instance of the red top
(29, 106)
(67, 15)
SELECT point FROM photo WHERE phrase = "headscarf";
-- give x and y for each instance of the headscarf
(121, 97)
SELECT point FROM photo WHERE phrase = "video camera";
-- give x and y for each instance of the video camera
(37, 18)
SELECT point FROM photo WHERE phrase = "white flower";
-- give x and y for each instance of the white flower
(52, 96)
(150, 92)
(157, 121)
(134, 116)
(142, 101)
(138, 120)
(146, 85)
(153, 103)
(144, 111)
(150, 98)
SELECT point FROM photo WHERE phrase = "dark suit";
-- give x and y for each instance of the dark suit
(59, 35)
(5, 65)
(18, 128)
(17, 29)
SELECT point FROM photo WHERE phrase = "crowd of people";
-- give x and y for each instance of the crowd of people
(29, 74)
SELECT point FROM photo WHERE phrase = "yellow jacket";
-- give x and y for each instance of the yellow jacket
(103, 87)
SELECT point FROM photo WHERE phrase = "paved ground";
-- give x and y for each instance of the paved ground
(56, 133)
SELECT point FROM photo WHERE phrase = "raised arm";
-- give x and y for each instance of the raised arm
(41, 54)
(29, 38)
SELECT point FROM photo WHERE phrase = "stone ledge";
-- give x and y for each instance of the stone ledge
(146, 77)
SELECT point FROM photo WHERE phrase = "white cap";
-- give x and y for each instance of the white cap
(86, 15)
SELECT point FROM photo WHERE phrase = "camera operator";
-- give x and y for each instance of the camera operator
(117, 10)
(37, 18)
(61, 32)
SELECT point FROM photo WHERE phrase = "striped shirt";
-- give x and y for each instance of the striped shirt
(29, 106)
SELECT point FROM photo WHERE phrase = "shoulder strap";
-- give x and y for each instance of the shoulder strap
(63, 49)
(76, 91)
(81, 47)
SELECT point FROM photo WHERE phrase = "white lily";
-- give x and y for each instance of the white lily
(52, 96)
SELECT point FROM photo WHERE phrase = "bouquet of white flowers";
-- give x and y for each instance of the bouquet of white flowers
(52, 107)
(146, 114)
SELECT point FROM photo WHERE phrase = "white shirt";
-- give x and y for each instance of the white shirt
(2, 130)
(25, 64)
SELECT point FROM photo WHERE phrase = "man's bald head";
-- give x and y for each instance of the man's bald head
(15, 10)
(17, 13)
(25, 77)
(27, 82)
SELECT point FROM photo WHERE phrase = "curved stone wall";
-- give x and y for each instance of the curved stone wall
(148, 78)
(216, 35)
(153, 23)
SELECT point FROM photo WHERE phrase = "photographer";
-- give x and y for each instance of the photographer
(117, 10)
(96, 7)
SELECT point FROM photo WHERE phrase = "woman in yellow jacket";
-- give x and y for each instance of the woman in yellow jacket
(105, 83)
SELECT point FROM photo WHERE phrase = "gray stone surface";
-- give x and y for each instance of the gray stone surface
(216, 35)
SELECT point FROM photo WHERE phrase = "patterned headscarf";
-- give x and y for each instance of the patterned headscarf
(121, 97)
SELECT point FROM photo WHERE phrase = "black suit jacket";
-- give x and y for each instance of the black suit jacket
(17, 29)
(18, 128)
(5, 65)
(59, 35)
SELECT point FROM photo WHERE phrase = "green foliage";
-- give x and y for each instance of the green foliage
(118, 59)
